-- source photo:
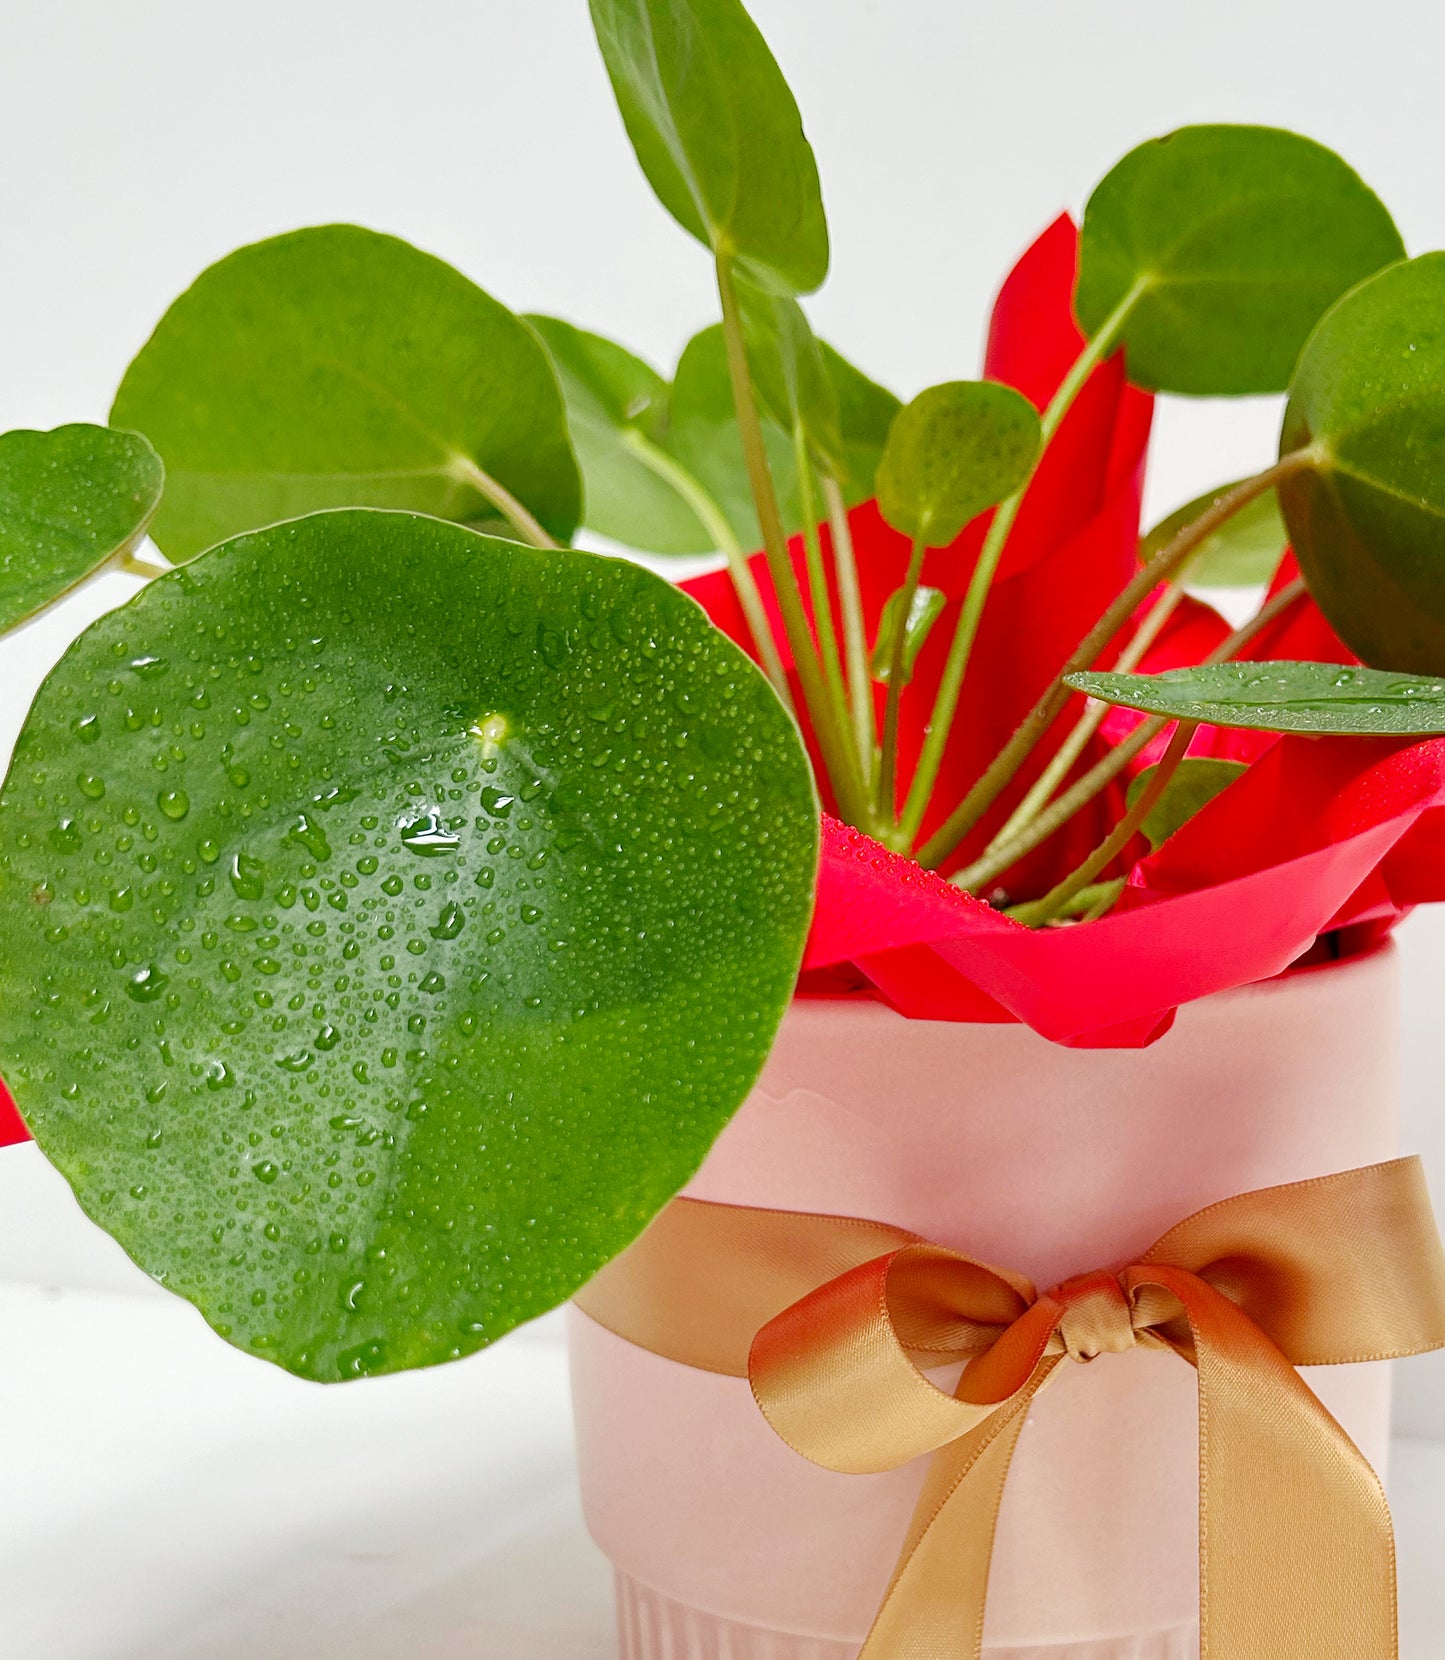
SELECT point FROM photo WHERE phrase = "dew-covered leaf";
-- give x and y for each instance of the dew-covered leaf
(1368, 520)
(717, 133)
(336, 367)
(70, 500)
(1242, 553)
(1195, 783)
(390, 919)
(1319, 698)
(1233, 240)
(955, 450)
(617, 406)
(927, 607)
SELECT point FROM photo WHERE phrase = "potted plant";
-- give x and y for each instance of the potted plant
(397, 906)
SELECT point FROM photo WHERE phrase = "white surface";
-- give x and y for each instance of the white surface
(167, 1498)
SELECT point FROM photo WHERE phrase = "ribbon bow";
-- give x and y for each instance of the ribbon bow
(833, 1320)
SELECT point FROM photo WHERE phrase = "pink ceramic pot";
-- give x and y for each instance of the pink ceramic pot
(1050, 1161)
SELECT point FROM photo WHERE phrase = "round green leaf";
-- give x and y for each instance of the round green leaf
(717, 133)
(390, 918)
(1368, 520)
(615, 404)
(955, 450)
(1319, 698)
(336, 367)
(1242, 553)
(1194, 784)
(1232, 241)
(70, 500)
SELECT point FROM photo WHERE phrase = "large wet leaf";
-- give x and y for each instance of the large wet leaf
(717, 133)
(1233, 241)
(336, 367)
(70, 500)
(390, 918)
(1243, 552)
(617, 408)
(1368, 521)
(1319, 698)
(955, 450)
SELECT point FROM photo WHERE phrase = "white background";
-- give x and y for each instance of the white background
(142, 139)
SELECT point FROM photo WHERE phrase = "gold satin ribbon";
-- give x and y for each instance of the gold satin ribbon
(831, 1319)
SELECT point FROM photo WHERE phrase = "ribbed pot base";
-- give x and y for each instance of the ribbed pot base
(651, 1626)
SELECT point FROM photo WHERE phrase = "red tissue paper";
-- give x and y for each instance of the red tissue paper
(1320, 839)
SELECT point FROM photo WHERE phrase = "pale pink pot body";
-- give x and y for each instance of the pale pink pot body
(1046, 1160)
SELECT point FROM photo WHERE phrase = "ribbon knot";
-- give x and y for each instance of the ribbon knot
(838, 1322)
(1098, 1319)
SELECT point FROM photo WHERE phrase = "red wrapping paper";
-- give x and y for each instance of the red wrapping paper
(1319, 837)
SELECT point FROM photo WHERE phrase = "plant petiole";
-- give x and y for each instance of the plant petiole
(1062, 762)
(1039, 911)
(839, 759)
(465, 471)
(940, 723)
(714, 521)
(855, 638)
(1001, 770)
(995, 862)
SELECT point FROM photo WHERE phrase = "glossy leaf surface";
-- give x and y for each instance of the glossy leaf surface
(1320, 698)
(1368, 522)
(1244, 552)
(1196, 781)
(336, 367)
(955, 450)
(617, 406)
(70, 500)
(390, 919)
(1235, 240)
(927, 607)
(717, 133)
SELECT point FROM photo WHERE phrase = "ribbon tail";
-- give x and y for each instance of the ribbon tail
(934, 1608)
(1296, 1549)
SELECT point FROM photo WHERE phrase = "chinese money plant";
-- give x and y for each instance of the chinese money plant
(395, 903)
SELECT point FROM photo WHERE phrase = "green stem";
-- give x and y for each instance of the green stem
(940, 723)
(886, 784)
(818, 591)
(1068, 752)
(466, 471)
(1001, 770)
(839, 759)
(997, 860)
(714, 521)
(1035, 914)
(855, 637)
